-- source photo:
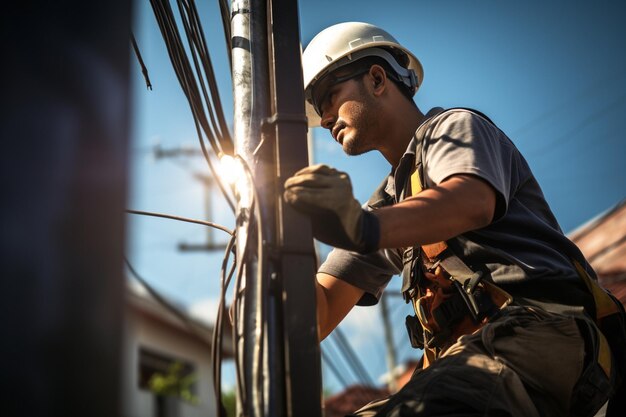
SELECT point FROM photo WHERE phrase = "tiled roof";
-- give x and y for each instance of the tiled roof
(351, 399)
(603, 242)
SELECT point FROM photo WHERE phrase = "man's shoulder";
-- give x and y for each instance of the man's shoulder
(458, 115)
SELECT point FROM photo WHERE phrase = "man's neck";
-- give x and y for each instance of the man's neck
(402, 126)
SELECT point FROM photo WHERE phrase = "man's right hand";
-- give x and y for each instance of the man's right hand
(325, 194)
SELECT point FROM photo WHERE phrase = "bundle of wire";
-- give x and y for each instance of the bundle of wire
(200, 88)
(198, 81)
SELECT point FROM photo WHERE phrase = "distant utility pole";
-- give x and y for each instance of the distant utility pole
(210, 245)
(208, 183)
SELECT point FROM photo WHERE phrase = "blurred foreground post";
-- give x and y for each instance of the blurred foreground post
(63, 125)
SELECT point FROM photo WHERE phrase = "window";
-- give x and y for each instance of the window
(153, 363)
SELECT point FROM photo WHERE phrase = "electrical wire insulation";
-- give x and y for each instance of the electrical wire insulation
(204, 102)
(225, 14)
(161, 300)
(352, 358)
(181, 219)
(216, 348)
(144, 70)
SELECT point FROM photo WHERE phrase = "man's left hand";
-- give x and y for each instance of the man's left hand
(325, 194)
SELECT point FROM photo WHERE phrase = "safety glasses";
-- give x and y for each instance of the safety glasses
(318, 94)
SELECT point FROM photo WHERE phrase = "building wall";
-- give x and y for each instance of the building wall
(143, 331)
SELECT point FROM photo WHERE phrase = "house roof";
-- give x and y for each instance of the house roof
(603, 242)
(157, 307)
(351, 399)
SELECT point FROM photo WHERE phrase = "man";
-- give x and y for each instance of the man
(502, 299)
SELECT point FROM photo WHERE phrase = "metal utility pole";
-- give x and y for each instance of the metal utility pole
(251, 107)
(278, 348)
(295, 240)
(208, 183)
(64, 125)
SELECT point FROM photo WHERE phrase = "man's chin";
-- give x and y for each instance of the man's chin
(349, 146)
(352, 149)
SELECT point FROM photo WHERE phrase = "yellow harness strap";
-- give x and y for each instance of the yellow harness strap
(434, 249)
(605, 306)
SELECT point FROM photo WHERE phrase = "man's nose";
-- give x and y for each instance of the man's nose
(327, 121)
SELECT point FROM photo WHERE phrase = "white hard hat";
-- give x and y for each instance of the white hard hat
(344, 43)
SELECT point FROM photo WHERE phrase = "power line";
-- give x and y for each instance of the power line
(161, 300)
(352, 358)
(591, 89)
(181, 219)
(329, 361)
(144, 70)
(574, 130)
(211, 126)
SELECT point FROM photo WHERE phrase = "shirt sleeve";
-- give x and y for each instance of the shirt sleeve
(370, 272)
(462, 142)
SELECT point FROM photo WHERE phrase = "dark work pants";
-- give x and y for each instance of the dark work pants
(525, 364)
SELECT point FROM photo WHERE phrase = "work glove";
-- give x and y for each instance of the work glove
(325, 195)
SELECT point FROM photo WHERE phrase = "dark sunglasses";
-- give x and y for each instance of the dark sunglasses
(319, 94)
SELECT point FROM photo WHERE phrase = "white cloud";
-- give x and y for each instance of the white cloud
(363, 325)
(204, 310)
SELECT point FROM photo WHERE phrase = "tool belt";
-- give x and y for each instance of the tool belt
(464, 301)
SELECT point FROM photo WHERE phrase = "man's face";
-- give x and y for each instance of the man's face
(349, 111)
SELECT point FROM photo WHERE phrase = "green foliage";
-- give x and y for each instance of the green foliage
(229, 400)
(174, 383)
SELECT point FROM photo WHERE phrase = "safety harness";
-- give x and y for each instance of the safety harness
(482, 301)
(468, 294)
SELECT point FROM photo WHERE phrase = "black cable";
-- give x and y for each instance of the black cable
(200, 89)
(181, 219)
(260, 313)
(200, 44)
(348, 366)
(220, 140)
(225, 13)
(195, 44)
(189, 85)
(217, 177)
(216, 352)
(329, 359)
(238, 298)
(161, 300)
(333, 367)
(347, 350)
(547, 147)
(580, 97)
(144, 70)
(180, 63)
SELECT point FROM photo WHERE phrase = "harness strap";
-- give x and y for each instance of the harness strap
(469, 299)
(605, 307)
(608, 348)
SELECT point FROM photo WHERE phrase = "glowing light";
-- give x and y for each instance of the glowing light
(232, 171)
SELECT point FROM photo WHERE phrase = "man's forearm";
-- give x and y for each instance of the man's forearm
(335, 299)
(459, 204)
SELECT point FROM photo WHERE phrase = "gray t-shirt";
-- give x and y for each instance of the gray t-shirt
(523, 250)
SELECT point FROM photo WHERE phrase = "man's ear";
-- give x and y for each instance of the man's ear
(379, 78)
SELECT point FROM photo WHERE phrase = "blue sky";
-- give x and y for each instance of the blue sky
(552, 75)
